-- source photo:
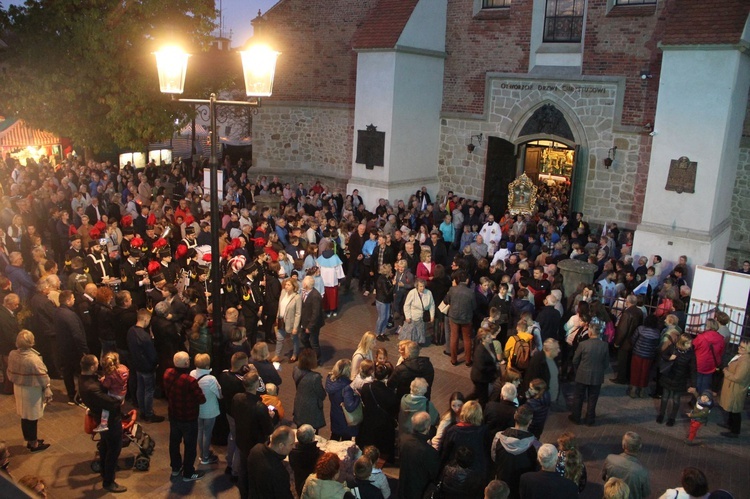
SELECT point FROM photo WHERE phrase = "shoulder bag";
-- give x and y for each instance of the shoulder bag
(355, 417)
(426, 317)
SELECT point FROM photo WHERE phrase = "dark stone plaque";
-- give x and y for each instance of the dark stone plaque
(370, 147)
(682, 175)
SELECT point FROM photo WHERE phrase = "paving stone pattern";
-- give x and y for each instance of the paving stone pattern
(65, 465)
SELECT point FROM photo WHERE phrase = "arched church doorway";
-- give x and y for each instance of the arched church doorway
(547, 152)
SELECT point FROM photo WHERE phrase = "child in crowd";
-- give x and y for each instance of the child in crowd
(377, 477)
(115, 380)
(699, 415)
(271, 399)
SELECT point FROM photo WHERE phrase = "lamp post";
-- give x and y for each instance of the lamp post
(258, 67)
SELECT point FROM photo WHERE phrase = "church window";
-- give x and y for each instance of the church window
(563, 21)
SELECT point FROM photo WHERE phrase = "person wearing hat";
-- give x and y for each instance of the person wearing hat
(251, 301)
(79, 276)
(157, 292)
(169, 269)
(99, 266)
(133, 275)
(75, 249)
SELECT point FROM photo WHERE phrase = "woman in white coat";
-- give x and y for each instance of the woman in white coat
(27, 372)
(288, 317)
(418, 306)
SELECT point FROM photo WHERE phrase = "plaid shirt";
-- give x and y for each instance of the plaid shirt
(183, 393)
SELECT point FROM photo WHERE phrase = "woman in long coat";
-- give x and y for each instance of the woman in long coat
(27, 372)
(380, 409)
(308, 400)
(734, 388)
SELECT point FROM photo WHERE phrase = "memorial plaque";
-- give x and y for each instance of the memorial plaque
(682, 174)
(370, 147)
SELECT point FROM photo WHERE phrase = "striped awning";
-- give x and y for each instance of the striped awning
(19, 134)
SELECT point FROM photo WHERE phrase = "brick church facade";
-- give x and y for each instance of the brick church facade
(550, 88)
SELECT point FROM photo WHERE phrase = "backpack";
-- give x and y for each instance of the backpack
(521, 353)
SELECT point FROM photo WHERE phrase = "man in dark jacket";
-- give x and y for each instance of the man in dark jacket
(513, 451)
(71, 339)
(9, 329)
(94, 395)
(462, 305)
(549, 319)
(411, 368)
(542, 365)
(124, 316)
(268, 476)
(437, 249)
(253, 426)
(304, 455)
(230, 381)
(414, 479)
(185, 397)
(354, 267)
(591, 360)
(547, 482)
(144, 359)
(631, 318)
(42, 323)
(499, 414)
(311, 316)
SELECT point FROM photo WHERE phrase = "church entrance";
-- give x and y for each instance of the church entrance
(547, 153)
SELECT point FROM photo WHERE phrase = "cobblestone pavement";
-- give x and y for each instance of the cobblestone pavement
(65, 465)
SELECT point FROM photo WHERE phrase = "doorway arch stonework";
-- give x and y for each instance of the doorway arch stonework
(592, 109)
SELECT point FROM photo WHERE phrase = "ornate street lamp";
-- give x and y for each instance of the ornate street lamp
(258, 67)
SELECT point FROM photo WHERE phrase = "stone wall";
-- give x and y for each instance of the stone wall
(739, 243)
(297, 141)
(590, 109)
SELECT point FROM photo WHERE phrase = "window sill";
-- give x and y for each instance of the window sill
(632, 10)
(492, 14)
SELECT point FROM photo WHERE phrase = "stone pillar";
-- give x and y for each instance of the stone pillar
(575, 272)
(700, 112)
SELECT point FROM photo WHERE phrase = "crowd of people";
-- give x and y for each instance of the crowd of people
(105, 283)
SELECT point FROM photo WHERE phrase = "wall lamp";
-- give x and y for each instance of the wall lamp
(646, 74)
(471, 145)
(610, 157)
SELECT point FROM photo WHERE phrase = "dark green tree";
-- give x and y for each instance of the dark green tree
(84, 69)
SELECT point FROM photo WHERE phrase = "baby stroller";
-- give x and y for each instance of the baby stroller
(132, 432)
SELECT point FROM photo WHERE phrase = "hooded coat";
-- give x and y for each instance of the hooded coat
(407, 371)
(514, 454)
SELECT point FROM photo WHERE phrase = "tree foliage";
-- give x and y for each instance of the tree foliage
(84, 69)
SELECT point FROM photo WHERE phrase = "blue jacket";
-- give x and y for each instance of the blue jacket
(339, 391)
(646, 342)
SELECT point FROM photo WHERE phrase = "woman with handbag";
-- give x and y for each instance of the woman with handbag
(380, 409)
(27, 372)
(419, 310)
(287, 319)
(734, 388)
(676, 373)
(343, 399)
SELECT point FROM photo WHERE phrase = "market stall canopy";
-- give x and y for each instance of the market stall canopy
(17, 134)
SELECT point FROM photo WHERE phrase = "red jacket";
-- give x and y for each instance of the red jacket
(706, 361)
(183, 393)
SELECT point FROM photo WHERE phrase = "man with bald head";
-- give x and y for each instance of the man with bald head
(185, 397)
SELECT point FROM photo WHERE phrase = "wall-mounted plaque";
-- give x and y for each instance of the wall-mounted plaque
(370, 147)
(682, 175)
